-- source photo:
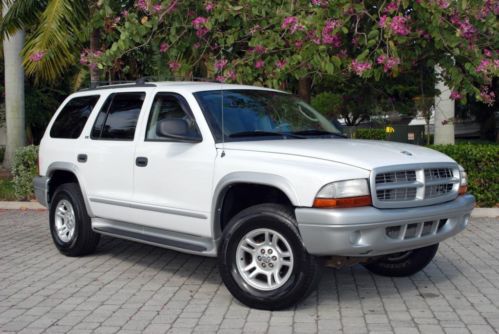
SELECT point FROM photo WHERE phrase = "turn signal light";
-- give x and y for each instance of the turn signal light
(463, 189)
(347, 202)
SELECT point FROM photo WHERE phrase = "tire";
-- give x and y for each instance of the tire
(71, 241)
(404, 263)
(299, 271)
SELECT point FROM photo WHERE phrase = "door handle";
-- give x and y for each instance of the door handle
(82, 158)
(141, 161)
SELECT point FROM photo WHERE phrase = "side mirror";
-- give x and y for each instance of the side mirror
(177, 129)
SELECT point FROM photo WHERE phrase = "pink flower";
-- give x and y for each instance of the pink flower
(487, 97)
(260, 49)
(199, 22)
(398, 25)
(487, 53)
(318, 2)
(37, 56)
(360, 67)
(142, 5)
(443, 4)
(454, 95)
(466, 29)
(220, 64)
(124, 13)
(328, 37)
(174, 65)
(157, 7)
(391, 7)
(164, 47)
(209, 6)
(199, 25)
(312, 35)
(259, 64)
(388, 62)
(382, 21)
(231, 74)
(298, 44)
(483, 66)
(220, 78)
(280, 64)
(291, 23)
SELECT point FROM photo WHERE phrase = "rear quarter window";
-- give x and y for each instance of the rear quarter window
(72, 119)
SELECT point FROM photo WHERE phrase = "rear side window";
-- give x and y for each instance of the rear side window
(72, 118)
(118, 117)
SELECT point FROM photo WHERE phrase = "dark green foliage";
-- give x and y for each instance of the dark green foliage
(24, 170)
(481, 165)
(375, 134)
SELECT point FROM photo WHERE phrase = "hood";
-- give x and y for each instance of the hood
(366, 154)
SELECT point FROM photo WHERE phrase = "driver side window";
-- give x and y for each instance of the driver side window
(168, 107)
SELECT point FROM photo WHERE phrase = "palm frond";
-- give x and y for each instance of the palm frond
(56, 37)
(21, 14)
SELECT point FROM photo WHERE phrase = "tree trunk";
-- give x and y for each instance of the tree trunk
(444, 114)
(304, 87)
(94, 46)
(14, 95)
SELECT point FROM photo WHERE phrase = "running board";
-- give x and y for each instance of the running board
(154, 236)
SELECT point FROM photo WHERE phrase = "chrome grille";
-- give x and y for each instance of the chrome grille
(410, 187)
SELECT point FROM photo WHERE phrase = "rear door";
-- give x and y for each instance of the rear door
(107, 157)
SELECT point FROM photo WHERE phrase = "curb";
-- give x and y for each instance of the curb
(476, 213)
(21, 206)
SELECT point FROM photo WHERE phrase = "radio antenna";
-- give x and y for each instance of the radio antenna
(223, 123)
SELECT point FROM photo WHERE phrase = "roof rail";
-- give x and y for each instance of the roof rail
(94, 85)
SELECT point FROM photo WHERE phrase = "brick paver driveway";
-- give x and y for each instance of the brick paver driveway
(129, 287)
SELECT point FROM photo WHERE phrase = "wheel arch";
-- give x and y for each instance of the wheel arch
(228, 182)
(66, 171)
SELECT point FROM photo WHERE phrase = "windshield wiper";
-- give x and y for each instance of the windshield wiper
(318, 133)
(264, 134)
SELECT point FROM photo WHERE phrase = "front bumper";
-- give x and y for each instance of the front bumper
(369, 231)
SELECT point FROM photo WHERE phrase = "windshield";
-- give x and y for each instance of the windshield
(262, 115)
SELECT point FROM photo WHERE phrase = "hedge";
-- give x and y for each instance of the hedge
(481, 165)
(370, 133)
(24, 169)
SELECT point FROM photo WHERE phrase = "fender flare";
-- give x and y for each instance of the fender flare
(225, 183)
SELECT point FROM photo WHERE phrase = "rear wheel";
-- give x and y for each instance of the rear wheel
(70, 224)
(263, 261)
(404, 263)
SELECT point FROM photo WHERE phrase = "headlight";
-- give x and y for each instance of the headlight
(344, 194)
(463, 185)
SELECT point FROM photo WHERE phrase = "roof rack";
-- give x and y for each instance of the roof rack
(118, 84)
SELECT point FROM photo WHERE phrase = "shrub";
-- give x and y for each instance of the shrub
(481, 165)
(24, 170)
(376, 134)
(327, 103)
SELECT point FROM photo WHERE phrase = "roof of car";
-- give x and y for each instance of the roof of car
(192, 86)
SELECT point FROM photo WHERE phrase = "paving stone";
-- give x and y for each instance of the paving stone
(127, 287)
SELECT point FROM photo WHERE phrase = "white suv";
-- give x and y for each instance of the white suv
(250, 175)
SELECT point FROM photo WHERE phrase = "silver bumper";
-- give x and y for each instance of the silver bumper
(369, 231)
(41, 185)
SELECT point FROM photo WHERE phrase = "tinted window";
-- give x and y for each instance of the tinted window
(72, 118)
(168, 106)
(118, 117)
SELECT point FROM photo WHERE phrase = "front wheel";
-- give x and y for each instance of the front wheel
(404, 263)
(263, 261)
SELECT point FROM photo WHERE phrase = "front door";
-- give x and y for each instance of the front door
(173, 179)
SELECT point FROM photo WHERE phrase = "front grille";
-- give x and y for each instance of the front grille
(415, 230)
(415, 186)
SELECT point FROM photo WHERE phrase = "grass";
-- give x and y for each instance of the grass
(7, 190)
